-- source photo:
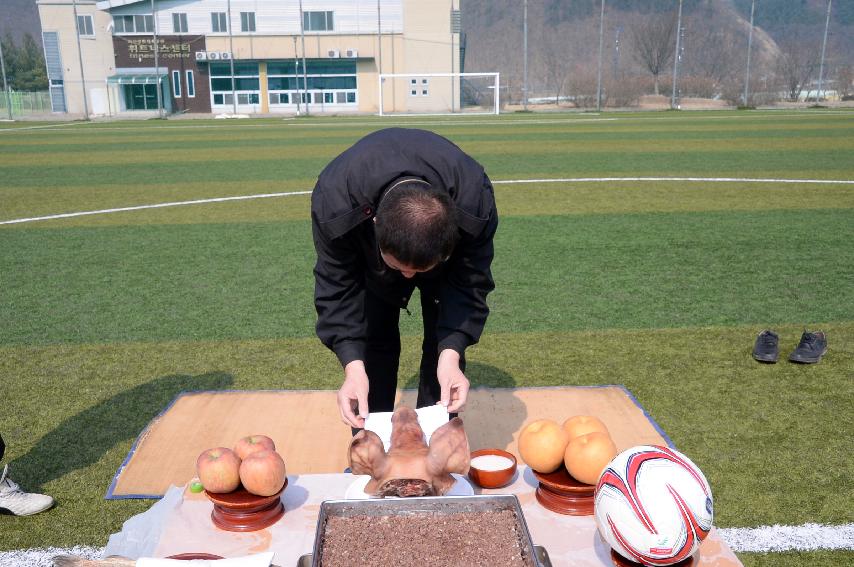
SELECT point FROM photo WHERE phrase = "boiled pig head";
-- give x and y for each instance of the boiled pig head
(411, 467)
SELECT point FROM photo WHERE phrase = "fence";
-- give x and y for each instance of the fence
(25, 103)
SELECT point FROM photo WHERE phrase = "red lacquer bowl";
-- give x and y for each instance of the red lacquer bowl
(492, 478)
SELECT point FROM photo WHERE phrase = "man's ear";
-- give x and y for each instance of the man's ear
(367, 454)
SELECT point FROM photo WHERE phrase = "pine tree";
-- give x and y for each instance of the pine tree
(25, 68)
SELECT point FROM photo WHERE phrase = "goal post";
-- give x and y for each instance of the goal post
(438, 93)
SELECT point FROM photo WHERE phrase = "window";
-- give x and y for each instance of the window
(247, 21)
(317, 21)
(327, 82)
(415, 88)
(247, 83)
(176, 84)
(133, 24)
(218, 22)
(248, 98)
(143, 24)
(84, 26)
(179, 22)
(191, 85)
(280, 98)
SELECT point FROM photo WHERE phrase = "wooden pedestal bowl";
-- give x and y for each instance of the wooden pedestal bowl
(561, 493)
(620, 561)
(241, 511)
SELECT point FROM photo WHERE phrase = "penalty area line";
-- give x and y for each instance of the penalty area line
(155, 206)
(498, 182)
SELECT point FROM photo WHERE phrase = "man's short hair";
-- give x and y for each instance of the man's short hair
(416, 224)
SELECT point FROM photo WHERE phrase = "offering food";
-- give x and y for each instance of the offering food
(587, 456)
(263, 473)
(251, 443)
(260, 469)
(491, 462)
(492, 468)
(218, 470)
(411, 467)
(446, 540)
(542, 444)
(582, 424)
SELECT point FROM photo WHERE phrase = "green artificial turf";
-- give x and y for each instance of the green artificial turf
(657, 285)
(568, 272)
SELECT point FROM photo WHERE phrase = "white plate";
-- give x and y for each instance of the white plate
(356, 490)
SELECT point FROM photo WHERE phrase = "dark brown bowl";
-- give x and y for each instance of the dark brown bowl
(490, 478)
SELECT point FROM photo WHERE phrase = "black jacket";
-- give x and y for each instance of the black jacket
(348, 260)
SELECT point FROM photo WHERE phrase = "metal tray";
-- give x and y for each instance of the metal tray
(542, 558)
(432, 504)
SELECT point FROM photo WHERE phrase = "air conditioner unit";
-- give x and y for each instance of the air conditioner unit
(201, 55)
(333, 53)
(225, 55)
(213, 55)
(351, 53)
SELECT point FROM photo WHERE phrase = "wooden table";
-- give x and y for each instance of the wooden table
(186, 526)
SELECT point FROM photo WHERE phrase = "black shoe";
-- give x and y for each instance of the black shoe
(765, 349)
(810, 349)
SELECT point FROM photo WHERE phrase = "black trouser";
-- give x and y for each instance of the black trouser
(2, 448)
(382, 356)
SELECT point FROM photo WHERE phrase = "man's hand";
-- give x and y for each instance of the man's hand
(454, 384)
(353, 395)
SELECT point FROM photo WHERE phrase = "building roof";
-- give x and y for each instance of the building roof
(109, 4)
(136, 78)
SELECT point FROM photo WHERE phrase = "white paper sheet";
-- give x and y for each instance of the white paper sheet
(430, 418)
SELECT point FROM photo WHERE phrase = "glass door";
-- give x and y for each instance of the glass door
(141, 97)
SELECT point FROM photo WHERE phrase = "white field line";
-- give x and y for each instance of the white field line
(450, 120)
(500, 182)
(156, 206)
(765, 539)
(808, 537)
(689, 179)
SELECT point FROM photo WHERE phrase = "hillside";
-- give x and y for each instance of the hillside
(19, 17)
(563, 41)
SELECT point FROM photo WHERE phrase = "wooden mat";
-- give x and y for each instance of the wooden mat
(309, 434)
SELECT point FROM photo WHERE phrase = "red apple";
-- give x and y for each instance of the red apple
(252, 443)
(263, 473)
(218, 470)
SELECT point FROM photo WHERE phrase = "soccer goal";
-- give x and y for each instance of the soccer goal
(438, 93)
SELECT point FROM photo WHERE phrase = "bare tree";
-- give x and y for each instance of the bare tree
(654, 43)
(795, 65)
(844, 78)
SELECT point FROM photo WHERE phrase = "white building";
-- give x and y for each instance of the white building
(251, 56)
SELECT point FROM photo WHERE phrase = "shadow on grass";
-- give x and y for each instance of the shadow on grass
(487, 426)
(83, 439)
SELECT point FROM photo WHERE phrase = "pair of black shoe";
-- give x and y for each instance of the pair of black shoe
(809, 351)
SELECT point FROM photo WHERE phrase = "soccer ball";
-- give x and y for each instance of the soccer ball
(653, 505)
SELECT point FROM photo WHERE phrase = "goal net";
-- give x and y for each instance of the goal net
(438, 93)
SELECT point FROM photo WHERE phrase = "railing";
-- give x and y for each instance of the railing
(25, 103)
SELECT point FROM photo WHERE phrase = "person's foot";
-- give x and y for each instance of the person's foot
(18, 502)
(811, 348)
(766, 349)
